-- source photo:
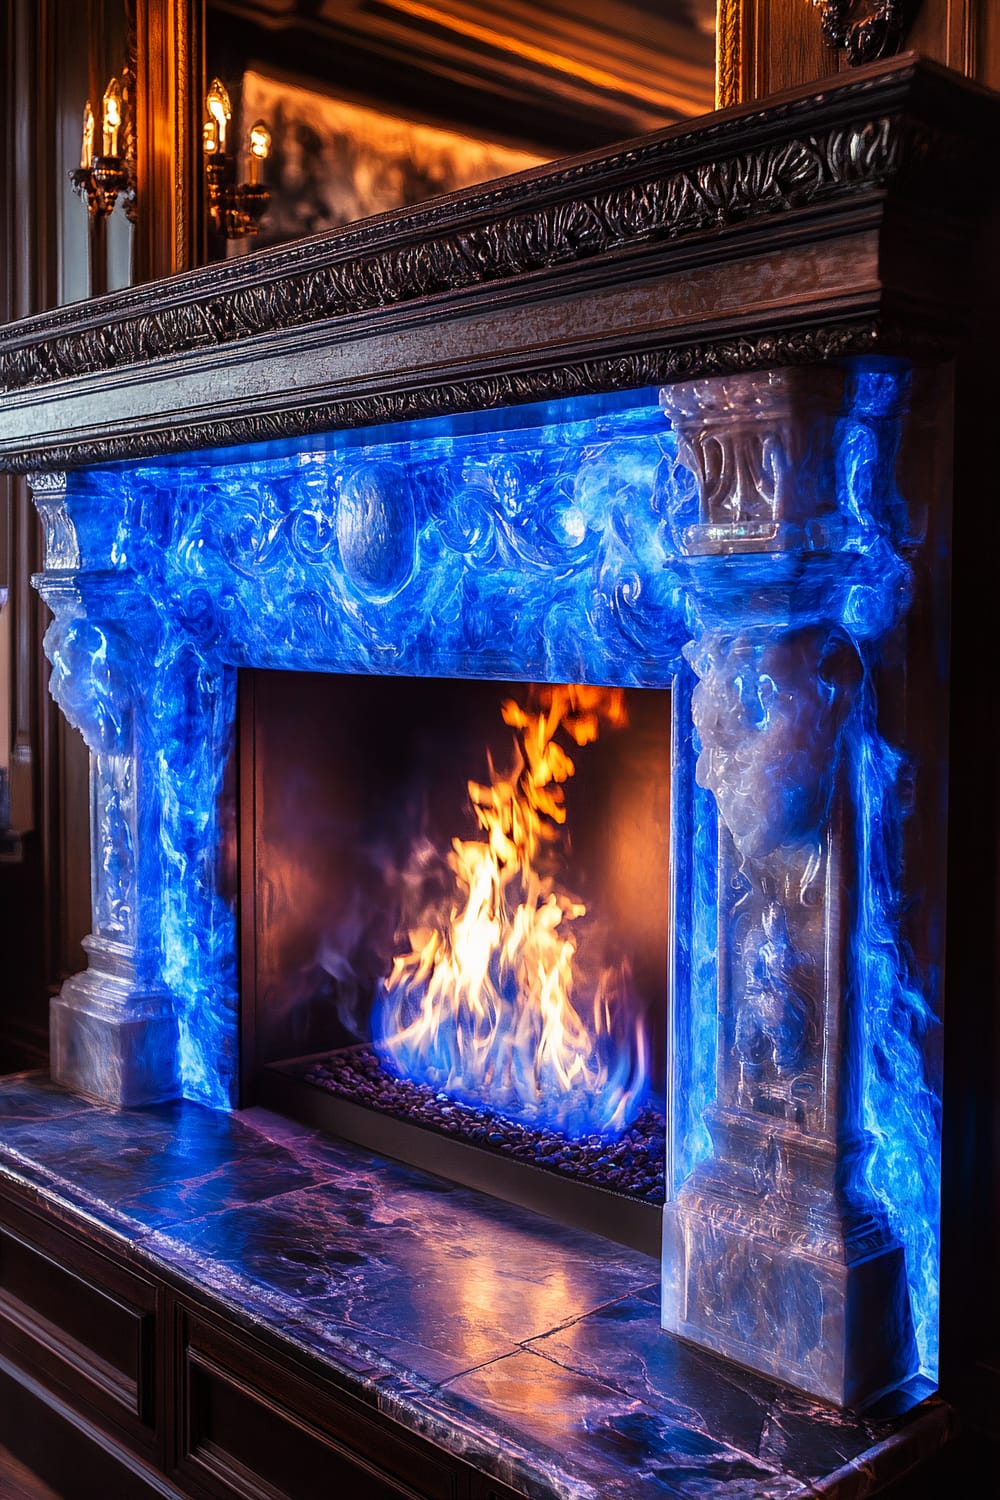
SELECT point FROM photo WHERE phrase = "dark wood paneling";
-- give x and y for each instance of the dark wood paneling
(74, 1322)
(954, 32)
(786, 46)
(250, 1427)
(73, 1455)
(17, 1482)
(81, 1322)
(44, 876)
(766, 45)
(24, 1002)
(169, 230)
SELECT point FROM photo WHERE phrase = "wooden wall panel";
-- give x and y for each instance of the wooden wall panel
(54, 54)
(948, 31)
(766, 45)
(89, 1331)
(787, 46)
(169, 230)
(29, 281)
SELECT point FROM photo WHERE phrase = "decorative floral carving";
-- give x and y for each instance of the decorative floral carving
(620, 372)
(865, 31)
(448, 250)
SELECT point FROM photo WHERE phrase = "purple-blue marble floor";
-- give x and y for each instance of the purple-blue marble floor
(531, 1349)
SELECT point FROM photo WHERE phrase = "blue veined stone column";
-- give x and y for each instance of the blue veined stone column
(776, 1253)
(113, 1032)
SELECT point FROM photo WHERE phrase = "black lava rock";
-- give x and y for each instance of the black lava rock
(633, 1163)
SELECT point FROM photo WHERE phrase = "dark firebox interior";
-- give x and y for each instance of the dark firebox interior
(351, 792)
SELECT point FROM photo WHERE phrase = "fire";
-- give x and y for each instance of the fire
(484, 1005)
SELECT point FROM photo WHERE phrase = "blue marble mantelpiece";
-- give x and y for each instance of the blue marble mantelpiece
(754, 555)
(532, 1350)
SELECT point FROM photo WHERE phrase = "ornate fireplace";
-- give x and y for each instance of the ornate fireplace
(706, 455)
(740, 541)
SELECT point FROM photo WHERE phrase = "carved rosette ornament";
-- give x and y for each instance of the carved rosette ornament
(770, 562)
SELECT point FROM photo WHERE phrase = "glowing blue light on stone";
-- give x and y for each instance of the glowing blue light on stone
(521, 544)
(694, 982)
(900, 1104)
(540, 544)
(900, 1110)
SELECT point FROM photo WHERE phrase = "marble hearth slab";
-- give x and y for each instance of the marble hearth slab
(531, 1349)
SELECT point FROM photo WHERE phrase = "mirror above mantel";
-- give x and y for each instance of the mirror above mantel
(375, 105)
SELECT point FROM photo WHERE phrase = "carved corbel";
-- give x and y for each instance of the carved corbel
(96, 668)
(768, 709)
(62, 547)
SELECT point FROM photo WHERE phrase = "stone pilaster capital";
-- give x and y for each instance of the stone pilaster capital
(760, 447)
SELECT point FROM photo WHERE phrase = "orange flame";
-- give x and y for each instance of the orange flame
(483, 1006)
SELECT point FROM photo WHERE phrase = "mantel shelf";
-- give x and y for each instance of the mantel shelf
(829, 221)
(487, 1330)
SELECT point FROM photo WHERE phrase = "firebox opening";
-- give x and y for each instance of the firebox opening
(454, 929)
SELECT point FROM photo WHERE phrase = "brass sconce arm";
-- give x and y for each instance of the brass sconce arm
(235, 208)
(102, 178)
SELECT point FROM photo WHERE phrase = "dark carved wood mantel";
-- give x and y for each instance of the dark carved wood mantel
(827, 223)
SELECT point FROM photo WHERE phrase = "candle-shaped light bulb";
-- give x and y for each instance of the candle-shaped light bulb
(260, 146)
(220, 112)
(112, 117)
(87, 143)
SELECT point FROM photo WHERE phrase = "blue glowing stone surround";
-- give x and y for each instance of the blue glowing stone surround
(746, 546)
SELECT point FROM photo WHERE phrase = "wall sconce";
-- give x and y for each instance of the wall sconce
(101, 179)
(235, 208)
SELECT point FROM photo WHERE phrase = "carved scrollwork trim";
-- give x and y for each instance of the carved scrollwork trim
(614, 373)
(665, 187)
